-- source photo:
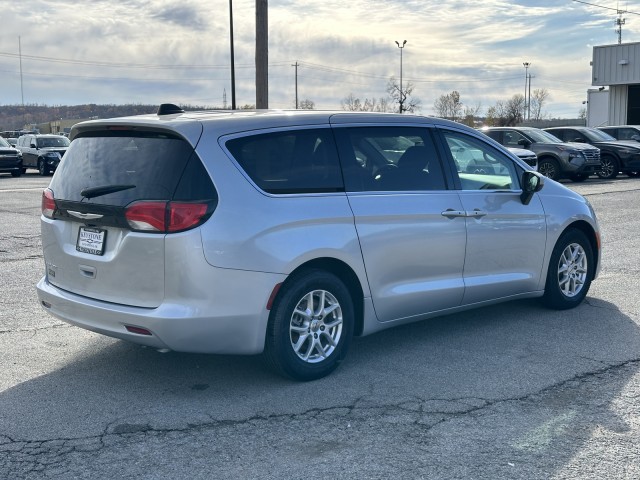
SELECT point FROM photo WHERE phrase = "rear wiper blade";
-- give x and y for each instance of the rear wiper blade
(92, 192)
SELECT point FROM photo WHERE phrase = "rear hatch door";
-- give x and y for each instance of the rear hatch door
(90, 248)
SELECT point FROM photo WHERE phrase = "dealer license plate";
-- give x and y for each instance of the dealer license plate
(91, 240)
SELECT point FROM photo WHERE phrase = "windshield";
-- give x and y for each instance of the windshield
(540, 136)
(597, 135)
(49, 142)
(4, 143)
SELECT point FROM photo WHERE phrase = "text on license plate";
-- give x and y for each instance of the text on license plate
(91, 240)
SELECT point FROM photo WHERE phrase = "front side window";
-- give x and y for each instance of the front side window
(627, 134)
(479, 166)
(389, 159)
(293, 161)
(514, 139)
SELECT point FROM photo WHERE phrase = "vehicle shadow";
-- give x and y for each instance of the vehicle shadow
(514, 381)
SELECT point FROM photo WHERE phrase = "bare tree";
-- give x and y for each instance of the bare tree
(497, 115)
(537, 101)
(582, 113)
(513, 109)
(470, 114)
(403, 96)
(306, 104)
(351, 103)
(449, 106)
(354, 104)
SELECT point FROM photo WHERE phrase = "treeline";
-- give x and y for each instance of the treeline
(13, 117)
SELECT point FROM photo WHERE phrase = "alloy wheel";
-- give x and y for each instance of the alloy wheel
(572, 270)
(316, 326)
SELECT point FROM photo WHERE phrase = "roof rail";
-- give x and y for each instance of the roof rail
(169, 109)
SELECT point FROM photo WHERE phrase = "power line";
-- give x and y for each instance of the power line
(617, 10)
(126, 65)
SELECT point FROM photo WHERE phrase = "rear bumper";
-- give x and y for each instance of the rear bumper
(232, 321)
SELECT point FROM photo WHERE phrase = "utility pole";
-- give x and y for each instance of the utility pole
(21, 84)
(401, 91)
(529, 103)
(526, 79)
(233, 66)
(262, 54)
(296, 65)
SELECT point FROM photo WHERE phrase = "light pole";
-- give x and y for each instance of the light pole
(526, 79)
(401, 47)
(233, 66)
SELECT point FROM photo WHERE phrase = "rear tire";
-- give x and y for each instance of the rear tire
(310, 326)
(571, 269)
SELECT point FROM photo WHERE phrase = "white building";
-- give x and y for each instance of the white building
(617, 67)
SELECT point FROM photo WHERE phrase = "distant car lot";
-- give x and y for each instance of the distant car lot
(556, 159)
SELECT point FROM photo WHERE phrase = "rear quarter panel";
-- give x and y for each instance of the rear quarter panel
(252, 230)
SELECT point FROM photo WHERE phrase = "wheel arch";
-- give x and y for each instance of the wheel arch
(346, 274)
(592, 236)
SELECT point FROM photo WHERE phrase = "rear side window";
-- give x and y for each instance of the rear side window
(131, 166)
(389, 159)
(295, 161)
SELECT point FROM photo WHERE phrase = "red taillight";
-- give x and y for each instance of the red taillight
(183, 216)
(147, 216)
(48, 203)
(165, 217)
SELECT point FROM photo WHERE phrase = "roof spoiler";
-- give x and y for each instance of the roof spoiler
(169, 109)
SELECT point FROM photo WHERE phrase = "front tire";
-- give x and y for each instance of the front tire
(609, 168)
(549, 168)
(42, 167)
(16, 173)
(310, 326)
(571, 269)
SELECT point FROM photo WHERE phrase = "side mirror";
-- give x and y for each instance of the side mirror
(578, 140)
(532, 182)
(33, 145)
(524, 142)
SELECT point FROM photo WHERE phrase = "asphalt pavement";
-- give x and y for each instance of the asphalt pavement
(513, 391)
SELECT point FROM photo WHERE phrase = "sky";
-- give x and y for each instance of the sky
(167, 51)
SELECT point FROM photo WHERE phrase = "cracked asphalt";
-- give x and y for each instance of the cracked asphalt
(513, 391)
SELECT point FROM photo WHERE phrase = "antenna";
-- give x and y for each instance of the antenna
(619, 22)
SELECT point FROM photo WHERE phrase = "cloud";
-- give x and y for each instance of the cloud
(151, 51)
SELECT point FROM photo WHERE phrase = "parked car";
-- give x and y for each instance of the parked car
(12, 141)
(43, 152)
(290, 232)
(10, 159)
(616, 155)
(624, 132)
(527, 156)
(556, 159)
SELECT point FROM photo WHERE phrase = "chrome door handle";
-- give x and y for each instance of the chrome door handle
(450, 213)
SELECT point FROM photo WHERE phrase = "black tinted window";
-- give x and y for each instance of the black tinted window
(296, 161)
(150, 165)
(389, 159)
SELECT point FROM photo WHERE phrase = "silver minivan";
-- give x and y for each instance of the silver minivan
(289, 232)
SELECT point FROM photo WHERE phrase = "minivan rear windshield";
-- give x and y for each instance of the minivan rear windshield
(98, 165)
